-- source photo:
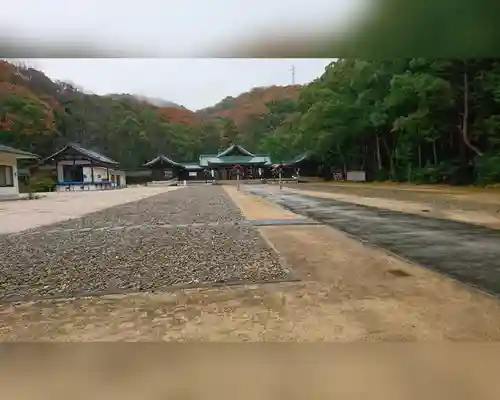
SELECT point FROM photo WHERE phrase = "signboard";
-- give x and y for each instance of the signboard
(168, 174)
(193, 174)
(356, 176)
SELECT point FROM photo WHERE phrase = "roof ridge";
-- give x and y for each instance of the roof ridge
(13, 150)
(162, 157)
(94, 154)
(234, 145)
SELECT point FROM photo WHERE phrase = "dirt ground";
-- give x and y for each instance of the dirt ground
(439, 195)
(252, 371)
(348, 292)
(18, 215)
(470, 205)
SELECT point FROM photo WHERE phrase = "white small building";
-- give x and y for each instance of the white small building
(80, 169)
(9, 183)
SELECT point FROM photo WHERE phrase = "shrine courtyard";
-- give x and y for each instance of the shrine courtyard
(214, 263)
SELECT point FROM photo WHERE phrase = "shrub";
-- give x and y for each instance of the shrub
(42, 184)
(487, 169)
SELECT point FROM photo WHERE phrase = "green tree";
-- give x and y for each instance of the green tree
(228, 133)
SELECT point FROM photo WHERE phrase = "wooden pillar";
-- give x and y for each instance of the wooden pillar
(60, 171)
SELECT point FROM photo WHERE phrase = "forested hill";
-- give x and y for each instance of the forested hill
(157, 102)
(241, 109)
(41, 115)
(403, 119)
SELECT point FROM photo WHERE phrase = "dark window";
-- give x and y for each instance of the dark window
(6, 176)
(73, 173)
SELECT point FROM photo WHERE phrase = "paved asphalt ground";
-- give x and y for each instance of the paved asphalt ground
(465, 252)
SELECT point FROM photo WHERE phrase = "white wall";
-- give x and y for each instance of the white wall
(100, 174)
(123, 179)
(10, 160)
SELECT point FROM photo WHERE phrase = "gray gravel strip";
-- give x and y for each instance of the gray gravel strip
(197, 204)
(207, 240)
(70, 264)
(129, 227)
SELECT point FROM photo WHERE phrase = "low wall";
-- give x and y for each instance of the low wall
(171, 182)
(60, 187)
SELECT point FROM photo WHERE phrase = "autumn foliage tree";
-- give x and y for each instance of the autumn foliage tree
(41, 115)
(251, 104)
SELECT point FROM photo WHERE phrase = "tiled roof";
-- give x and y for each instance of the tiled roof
(234, 147)
(192, 167)
(206, 158)
(163, 158)
(188, 166)
(297, 159)
(294, 161)
(17, 152)
(225, 157)
(86, 152)
(239, 160)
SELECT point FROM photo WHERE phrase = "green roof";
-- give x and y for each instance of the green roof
(231, 160)
(192, 167)
(213, 160)
(235, 148)
(234, 154)
(205, 159)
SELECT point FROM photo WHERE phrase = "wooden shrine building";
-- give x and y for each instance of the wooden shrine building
(79, 168)
(165, 169)
(225, 165)
(301, 165)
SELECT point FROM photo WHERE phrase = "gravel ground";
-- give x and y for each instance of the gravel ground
(58, 263)
(197, 204)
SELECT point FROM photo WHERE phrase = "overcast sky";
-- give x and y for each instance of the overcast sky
(166, 28)
(194, 83)
(185, 28)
